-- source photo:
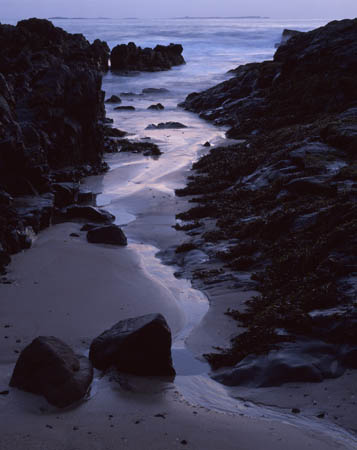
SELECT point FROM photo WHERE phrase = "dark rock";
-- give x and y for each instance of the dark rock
(286, 35)
(141, 346)
(50, 368)
(110, 234)
(65, 193)
(133, 58)
(307, 362)
(51, 116)
(166, 126)
(311, 75)
(157, 107)
(89, 226)
(88, 213)
(86, 197)
(114, 132)
(207, 144)
(147, 148)
(113, 99)
(310, 186)
(125, 108)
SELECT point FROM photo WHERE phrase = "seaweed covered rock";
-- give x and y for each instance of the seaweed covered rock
(140, 345)
(51, 110)
(49, 367)
(283, 204)
(130, 57)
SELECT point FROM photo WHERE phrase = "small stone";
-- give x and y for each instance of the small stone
(49, 426)
(321, 415)
(295, 410)
(6, 392)
(184, 442)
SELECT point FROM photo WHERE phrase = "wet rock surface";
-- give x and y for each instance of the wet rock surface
(141, 346)
(128, 57)
(277, 212)
(49, 367)
(51, 115)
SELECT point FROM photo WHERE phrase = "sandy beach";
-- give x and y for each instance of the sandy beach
(106, 284)
(66, 287)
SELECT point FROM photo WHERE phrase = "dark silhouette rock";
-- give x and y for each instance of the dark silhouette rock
(51, 116)
(88, 213)
(110, 234)
(166, 126)
(49, 367)
(157, 107)
(130, 57)
(125, 108)
(141, 346)
(65, 193)
(113, 99)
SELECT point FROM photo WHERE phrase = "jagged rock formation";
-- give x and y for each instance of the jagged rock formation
(131, 57)
(284, 204)
(312, 74)
(51, 105)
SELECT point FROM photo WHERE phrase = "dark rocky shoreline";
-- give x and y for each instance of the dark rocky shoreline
(51, 125)
(281, 206)
(53, 129)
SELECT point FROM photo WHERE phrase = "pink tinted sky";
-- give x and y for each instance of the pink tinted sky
(295, 9)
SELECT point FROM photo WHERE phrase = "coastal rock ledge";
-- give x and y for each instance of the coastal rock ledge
(51, 123)
(276, 211)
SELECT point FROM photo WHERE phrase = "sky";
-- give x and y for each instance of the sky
(278, 9)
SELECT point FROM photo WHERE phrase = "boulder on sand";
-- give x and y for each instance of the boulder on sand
(110, 234)
(140, 345)
(49, 367)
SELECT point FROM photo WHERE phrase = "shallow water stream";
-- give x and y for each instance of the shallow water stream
(139, 191)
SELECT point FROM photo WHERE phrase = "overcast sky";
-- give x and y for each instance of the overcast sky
(292, 9)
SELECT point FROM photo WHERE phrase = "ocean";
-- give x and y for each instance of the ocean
(211, 46)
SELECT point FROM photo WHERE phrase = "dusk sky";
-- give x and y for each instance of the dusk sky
(324, 9)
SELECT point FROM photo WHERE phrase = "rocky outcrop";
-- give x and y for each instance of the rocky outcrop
(311, 75)
(130, 57)
(49, 367)
(51, 108)
(141, 346)
(283, 203)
